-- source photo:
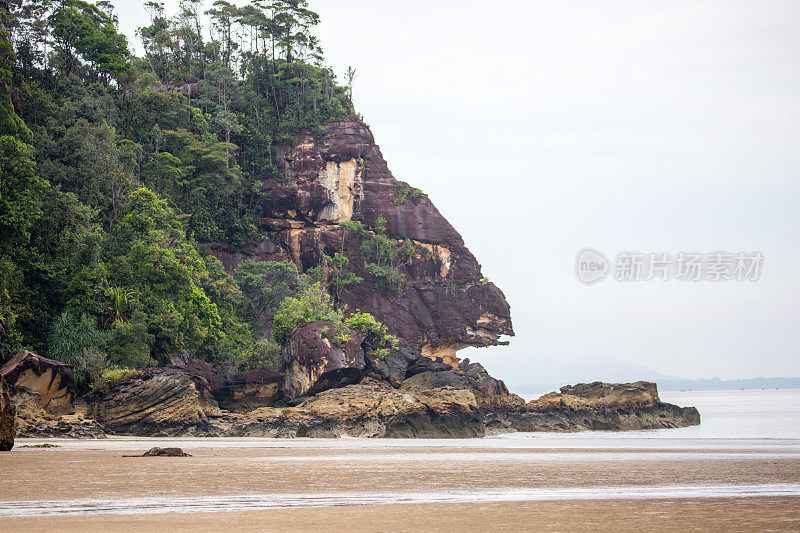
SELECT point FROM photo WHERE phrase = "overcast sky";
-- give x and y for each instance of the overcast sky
(541, 128)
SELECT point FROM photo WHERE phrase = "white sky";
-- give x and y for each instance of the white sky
(541, 128)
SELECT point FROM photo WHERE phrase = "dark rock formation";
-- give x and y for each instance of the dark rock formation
(394, 366)
(490, 393)
(314, 361)
(435, 380)
(434, 405)
(162, 452)
(249, 390)
(7, 416)
(165, 401)
(342, 176)
(427, 364)
(52, 380)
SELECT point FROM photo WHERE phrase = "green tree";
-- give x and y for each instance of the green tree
(21, 193)
(311, 305)
(265, 285)
(129, 343)
(74, 340)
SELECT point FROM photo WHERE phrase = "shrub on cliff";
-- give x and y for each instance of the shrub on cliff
(376, 336)
(312, 305)
(111, 377)
(405, 194)
(386, 255)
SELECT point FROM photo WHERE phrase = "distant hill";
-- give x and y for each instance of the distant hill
(676, 384)
(555, 373)
(728, 384)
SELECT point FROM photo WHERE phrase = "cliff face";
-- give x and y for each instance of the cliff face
(343, 176)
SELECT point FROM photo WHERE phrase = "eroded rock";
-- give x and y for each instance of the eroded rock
(164, 401)
(595, 406)
(375, 409)
(249, 390)
(52, 380)
(314, 361)
(34, 422)
(393, 366)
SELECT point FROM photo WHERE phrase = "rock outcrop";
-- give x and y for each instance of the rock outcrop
(446, 305)
(164, 402)
(52, 380)
(7, 415)
(33, 421)
(372, 408)
(246, 391)
(595, 406)
(315, 361)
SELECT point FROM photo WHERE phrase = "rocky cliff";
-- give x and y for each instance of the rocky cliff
(446, 304)
(338, 196)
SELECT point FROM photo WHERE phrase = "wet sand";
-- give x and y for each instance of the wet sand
(306, 467)
(780, 514)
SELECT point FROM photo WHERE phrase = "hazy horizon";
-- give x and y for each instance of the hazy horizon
(539, 130)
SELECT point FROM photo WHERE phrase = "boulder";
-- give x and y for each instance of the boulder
(249, 390)
(201, 372)
(7, 415)
(52, 380)
(491, 392)
(165, 452)
(314, 361)
(427, 364)
(393, 366)
(166, 401)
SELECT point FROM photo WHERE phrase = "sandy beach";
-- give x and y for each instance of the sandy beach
(357, 485)
(778, 514)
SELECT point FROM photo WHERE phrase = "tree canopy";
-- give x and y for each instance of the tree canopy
(118, 170)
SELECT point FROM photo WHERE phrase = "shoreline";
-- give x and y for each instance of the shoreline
(403, 485)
